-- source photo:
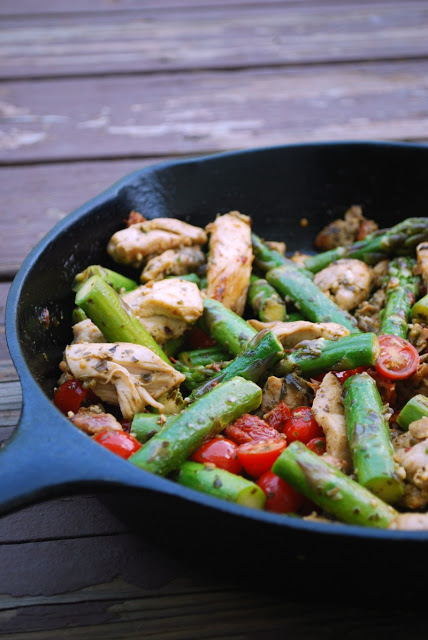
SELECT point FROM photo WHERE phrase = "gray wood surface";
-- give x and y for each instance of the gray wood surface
(90, 91)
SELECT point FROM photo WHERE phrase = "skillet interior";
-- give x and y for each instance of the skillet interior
(276, 187)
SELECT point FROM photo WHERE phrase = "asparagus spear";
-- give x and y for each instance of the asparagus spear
(78, 315)
(262, 352)
(145, 425)
(369, 438)
(266, 258)
(401, 290)
(420, 310)
(415, 409)
(331, 489)
(221, 484)
(401, 239)
(198, 374)
(206, 417)
(120, 283)
(205, 356)
(318, 356)
(265, 301)
(226, 327)
(116, 321)
(308, 298)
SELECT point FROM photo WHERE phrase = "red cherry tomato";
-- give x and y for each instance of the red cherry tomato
(198, 339)
(119, 442)
(248, 428)
(317, 445)
(344, 375)
(71, 395)
(398, 358)
(221, 452)
(302, 426)
(278, 416)
(258, 457)
(280, 497)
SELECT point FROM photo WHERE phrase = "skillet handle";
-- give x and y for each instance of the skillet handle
(48, 456)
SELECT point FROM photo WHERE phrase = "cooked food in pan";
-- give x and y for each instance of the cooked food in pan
(296, 384)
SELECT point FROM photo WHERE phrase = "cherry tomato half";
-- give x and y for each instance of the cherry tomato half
(119, 442)
(302, 426)
(278, 416)
(258, 457)
(198, 339)
(248, 428)
(398, 358)
(221, 452)
(280, 497)
(71, 395)
(317, 445)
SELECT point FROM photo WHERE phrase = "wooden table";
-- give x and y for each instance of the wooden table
(93, 90)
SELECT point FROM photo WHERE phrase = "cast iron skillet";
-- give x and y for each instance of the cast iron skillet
(276, 186)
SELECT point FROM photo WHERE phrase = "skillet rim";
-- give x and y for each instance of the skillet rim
(25, 375)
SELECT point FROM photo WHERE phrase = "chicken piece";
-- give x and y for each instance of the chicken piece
(344, 232)
(291, 334)
(166, 308)
(86, 331)
(300, 258)
(229, 260)
(143, 240)
(347, 282)
(419, 429)
(379, 274)
(329, 413)
(367, 313)
(281, 247)
(172, 262)
(410, 522)
(124, 374)
(422, 255)
(91, 420)
(414, 498)
(418, 336)
(415, 463)
(292, 390)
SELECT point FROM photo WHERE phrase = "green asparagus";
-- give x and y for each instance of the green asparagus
(203, 356)
(308, 298)
(262, 352)
(117, 281)
(319, 356)
(401, 239)
(331, 489)
(266, 258)
(145, 425)
(265, 301)
(116, 321)
(401, 290)
(420, 310)
(203, 419)
(227, 328)
(369, 438)
(415, 409)
(221, 484)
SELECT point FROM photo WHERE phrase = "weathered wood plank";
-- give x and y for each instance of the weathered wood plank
(190, 113)
(51, 191)
(49, 7)
(210, 37)
(67, 517)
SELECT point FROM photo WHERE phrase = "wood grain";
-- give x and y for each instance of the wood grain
(203, 112)
(210, 37)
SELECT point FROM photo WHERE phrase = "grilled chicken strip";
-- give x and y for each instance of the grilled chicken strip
(166, 308)
(229, 260)
(410, 522)
(329, 413)
(347, 282)
(291, 334)
(143, 240)
(173, 262)
(86, 331)
(124, 374)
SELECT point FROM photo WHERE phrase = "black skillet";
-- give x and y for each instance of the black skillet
(277, 187)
